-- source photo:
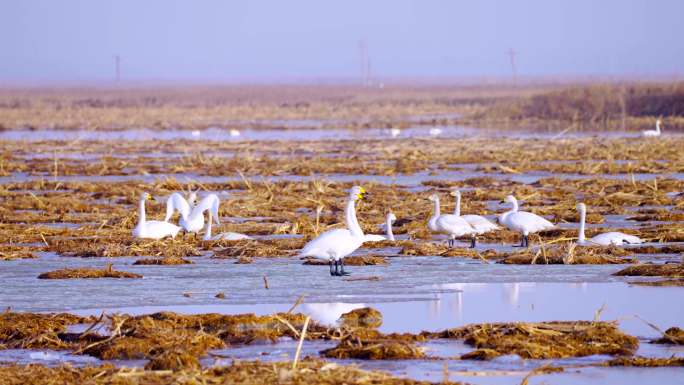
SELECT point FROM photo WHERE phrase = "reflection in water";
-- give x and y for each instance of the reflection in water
(329, 313)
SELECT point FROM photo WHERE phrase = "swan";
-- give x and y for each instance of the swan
(387, 226)
(435, 131)
(192, 218)
(394, 132)
(523, 221)
(152, 229)
(451, 224)
(652, 133)
(479, 223)
(230, 236)
(334, 245)
(605, 239)
(235, 133)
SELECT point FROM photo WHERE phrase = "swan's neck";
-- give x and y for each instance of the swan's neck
(515, 206)
(658, 127)
(435, 215)
(141, 213)
(207, 233)
(583, 217)
(388, 226)
(457, 210)
(350, 219)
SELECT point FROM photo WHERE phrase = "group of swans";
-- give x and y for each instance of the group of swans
(191, 218)
(456, 225)
(334, 245)
(526, 223)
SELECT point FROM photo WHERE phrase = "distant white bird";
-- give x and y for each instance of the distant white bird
(435, 131)
(605, 239)
(234, 133)
(479, 223)
(395, 132)
(196, 133)
(229, 236)
(152, 229)
(192, 218)
(522, 221)
(334, 245)
(386, 227)
(453, 225)
(652, 133)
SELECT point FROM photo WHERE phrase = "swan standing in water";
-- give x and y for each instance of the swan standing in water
(152, 229)
(652, 133)
(479, 223)
(334, 245)
(387, 227)
(522, 221)
(605, 239)
(192, 218)
(453, 225)
(229, 236)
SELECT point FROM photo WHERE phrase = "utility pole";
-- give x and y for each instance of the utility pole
(365, 63)
(117, 66)
(511, 55)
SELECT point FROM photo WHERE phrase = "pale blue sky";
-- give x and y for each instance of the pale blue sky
(75, 40)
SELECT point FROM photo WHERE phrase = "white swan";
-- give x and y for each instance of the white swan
(387, 227)
(652, 133)
(334, 245)
(394, 132)
(235, 133)
(152, 229)
(435, 131)
(605, 239)
(192, 218)
(229, 236)
(479, 223)
(523, 221)
(453, 225)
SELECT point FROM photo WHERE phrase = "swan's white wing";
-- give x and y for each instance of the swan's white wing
(210, 202)
(455, 225)
(157, 230)
(177, 202)
(480, 223)
(529, 222)
(340, 242)
(374, 238)
(615, 238)
(230, 236)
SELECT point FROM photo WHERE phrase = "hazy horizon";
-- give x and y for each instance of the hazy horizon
(75, 41)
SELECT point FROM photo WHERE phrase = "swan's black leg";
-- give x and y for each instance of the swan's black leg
(522, 241)
(332, 272)
(527, 241)
(473, 242)
(342, 272)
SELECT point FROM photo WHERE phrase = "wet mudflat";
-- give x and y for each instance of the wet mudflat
(67, 212)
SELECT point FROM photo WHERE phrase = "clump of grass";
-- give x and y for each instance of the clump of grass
(163, 261)
(239, 373)
(675, 270)
(35, 331)
(544, 340)
(645, 362)
(365, 317)
(353, 348)
(88, 273)
(673, 335)
(570, 254)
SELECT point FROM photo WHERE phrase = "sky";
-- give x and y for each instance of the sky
(277, 40)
